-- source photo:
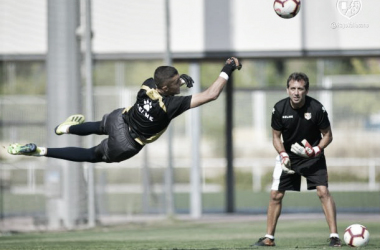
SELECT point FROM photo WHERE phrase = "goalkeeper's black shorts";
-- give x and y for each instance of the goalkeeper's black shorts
(314, 170)
(119, 145)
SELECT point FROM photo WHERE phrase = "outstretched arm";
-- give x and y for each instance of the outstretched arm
(213, 92)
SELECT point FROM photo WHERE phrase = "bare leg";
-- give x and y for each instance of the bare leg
(273, 213)
(274, 210)
(328, 206)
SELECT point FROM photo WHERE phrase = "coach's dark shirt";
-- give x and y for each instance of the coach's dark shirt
(299, 124)
(149, 117)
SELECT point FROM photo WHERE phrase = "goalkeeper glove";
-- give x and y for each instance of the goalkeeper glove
(230, 66)
(285, 163)
(185, 79)
(307, 151)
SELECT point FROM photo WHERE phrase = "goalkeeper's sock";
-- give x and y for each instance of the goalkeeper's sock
(75, 154)
(41, 151)
(87, 128)
(62, 129)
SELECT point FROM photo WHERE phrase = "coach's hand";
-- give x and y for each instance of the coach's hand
(307, 151)
(185, 79)
(285, 163)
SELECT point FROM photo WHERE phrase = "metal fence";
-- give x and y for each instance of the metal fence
(352, 158)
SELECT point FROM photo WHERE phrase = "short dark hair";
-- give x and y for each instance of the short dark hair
(297, 76)
(164, 73)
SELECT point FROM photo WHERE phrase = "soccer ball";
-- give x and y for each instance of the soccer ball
(356, 235)
(287, 8)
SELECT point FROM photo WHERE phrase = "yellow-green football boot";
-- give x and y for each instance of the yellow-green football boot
(63, 128)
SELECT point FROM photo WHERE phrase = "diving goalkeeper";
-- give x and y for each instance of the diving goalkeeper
(129, 129)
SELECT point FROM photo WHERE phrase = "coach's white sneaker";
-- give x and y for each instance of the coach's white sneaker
(335, 242)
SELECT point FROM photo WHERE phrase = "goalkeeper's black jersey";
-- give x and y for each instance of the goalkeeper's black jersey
(299, 124)
(149, 117)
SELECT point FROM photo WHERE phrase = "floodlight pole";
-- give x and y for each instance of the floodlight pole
(89, 112)
(146, 182)
(1, 198)
(169, 200)
(195, 125)
(230, 180)
(63, 178)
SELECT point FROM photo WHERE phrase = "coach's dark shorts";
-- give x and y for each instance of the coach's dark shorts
(314, 170)
(119, 145)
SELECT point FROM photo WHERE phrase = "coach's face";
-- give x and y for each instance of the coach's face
(297, 93)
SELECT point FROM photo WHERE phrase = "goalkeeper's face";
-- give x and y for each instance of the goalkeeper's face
(172, 86)
(297, 93)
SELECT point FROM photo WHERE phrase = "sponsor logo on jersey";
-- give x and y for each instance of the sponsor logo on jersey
(287, 117)
(307, 116)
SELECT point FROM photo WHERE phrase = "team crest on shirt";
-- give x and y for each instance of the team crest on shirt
(307, 116)
(147, 104)
(144, 110)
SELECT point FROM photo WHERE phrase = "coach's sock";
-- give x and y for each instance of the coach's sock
(334, 235)
(269, 236)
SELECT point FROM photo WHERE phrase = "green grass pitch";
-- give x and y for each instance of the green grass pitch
(224, 232)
